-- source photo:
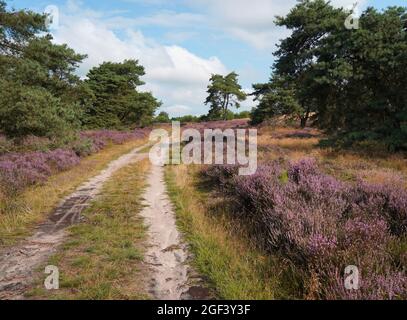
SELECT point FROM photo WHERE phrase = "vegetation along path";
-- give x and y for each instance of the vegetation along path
(18, 264)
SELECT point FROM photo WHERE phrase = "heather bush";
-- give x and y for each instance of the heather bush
(321, 224)
(84, 147)
(61, 160)
(373, 286)
(19, 170)
(101, 138)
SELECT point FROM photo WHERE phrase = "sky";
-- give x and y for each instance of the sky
(179, 42)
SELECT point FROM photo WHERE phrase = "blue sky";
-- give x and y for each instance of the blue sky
(180, 42)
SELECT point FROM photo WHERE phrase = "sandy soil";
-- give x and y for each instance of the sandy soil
(171, 277)
(18, 264)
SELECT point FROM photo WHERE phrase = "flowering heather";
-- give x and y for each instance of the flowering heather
(101, 138)
(222, 125)
(373, 286)
(322, 224)
(20, 170)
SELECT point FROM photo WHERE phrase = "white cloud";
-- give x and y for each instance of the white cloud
(253, 21)
(178, 110)
(174, 75)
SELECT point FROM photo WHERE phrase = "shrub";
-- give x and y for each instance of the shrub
(18, 171)
(23, 169)
(33, 111)
(321, 224)
(5, 145)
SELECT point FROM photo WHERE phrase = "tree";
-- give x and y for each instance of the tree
(352, 81)
(17, 28)
(163, 117)
(28, 110)
(277, 98)
(40, 92)
(224, 92)
(117, 102)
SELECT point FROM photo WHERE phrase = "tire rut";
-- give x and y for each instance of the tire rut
(19, 263)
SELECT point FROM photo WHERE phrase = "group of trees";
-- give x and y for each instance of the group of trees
(351, 82)
(42, 95)
(164, 117)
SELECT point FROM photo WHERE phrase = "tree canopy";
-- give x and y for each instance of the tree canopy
(224, 92)
(43, 95)
(117, 102)
(40, 92)
(352, 81)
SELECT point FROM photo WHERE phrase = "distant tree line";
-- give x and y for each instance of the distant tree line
(352, 83)
(163, 117)
(42, 95)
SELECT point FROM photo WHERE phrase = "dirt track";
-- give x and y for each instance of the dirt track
(18, 264)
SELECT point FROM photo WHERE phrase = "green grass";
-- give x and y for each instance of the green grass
(101, 260)
(233, 267)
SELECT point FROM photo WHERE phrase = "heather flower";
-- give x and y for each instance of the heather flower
(62, 159)
(322, 224)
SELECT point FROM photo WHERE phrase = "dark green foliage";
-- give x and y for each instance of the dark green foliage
(17, 28)
(26, 110)
(242, 115)
(162, 117)
(186, 119)
(353, 81)
(117, 102)
(40, 93)
(224, 92)
(277, 98)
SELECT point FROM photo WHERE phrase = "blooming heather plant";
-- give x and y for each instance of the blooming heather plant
(321, 224)
(20, 170)
(101, 138)
(62, 160)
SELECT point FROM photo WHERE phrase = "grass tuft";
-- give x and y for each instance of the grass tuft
(101, 260)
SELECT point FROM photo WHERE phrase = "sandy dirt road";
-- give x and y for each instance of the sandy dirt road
(18, 263)
(169, 275)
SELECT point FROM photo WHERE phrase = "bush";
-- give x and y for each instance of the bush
(323, 225)
(5, 145)
(18, 171)
(28, 111)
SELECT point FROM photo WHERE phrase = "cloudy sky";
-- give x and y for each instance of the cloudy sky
(180, 42)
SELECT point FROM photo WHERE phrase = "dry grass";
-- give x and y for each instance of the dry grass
(222, 252)
(18, 215)
(291, 144)
(102, 258)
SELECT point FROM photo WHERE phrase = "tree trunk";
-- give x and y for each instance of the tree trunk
(304, 118)
(225, 111)
(223, 105)
(303, 122)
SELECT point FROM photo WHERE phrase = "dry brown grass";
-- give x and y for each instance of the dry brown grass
(18, 215)
(284, 144)
(222, 252)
